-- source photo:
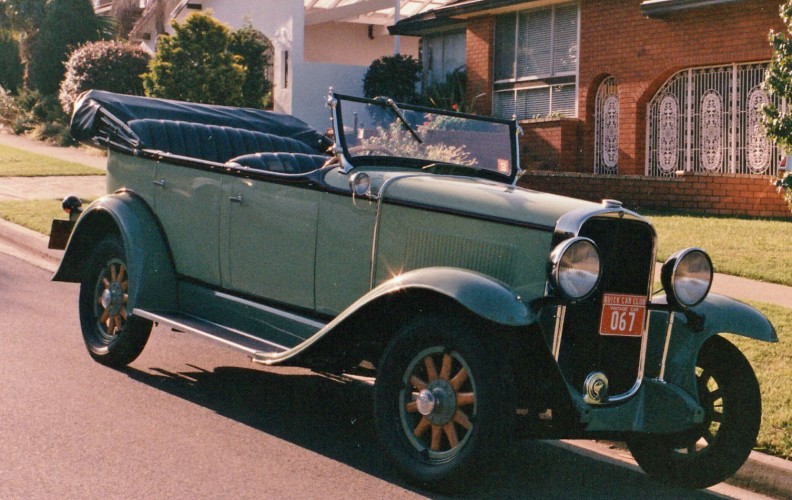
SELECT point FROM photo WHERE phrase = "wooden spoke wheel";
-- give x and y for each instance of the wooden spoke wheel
(112, 335)
(443, 401)
(439, 402)
(711, 451)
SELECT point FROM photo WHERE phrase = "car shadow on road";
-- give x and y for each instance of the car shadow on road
(332, 416)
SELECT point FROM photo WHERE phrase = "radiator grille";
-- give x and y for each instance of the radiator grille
(627, 253)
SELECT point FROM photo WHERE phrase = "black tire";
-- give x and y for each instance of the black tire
(714, 450)
(472, 418)
(112, 335)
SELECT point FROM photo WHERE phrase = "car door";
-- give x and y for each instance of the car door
(270, 240)
(187, 203)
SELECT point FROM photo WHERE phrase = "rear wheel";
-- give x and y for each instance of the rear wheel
(112, 335)
(442, 401)
(713, 450)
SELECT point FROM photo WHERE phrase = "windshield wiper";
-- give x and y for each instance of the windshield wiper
(395, 108)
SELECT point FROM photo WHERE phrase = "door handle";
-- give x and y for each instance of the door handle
(236, 199)
(159, 183)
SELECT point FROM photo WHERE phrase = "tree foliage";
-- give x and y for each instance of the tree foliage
(107, 65)
(195, 64)
(393, 76)
(66, 24)
(11, 70)
(254, 50)
(778, 82)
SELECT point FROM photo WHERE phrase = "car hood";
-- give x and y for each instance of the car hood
(479, 198)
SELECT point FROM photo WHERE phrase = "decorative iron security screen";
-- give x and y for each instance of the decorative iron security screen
(606, 129)
(707, 120)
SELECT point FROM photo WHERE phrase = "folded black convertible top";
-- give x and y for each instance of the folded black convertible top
(101, 118)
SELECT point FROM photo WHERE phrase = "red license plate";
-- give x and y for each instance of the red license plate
(622, 315)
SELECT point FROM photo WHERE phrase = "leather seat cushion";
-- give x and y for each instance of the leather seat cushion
(210, 142)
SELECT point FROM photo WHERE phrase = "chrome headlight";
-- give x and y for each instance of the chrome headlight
(575, 268)
(687, 277)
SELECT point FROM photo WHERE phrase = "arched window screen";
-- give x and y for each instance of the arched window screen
(707, 120)
(606, 129)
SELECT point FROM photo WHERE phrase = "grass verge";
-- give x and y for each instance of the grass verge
(752, 248)
(19, 163)
(772, 367)
(32, 214)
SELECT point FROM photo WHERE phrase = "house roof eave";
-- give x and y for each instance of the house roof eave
(661, 8)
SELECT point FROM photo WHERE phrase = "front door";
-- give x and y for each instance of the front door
(271, 240)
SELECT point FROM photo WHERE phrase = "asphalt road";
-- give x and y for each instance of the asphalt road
(191, 419)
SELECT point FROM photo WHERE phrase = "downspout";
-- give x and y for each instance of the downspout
(396, 19)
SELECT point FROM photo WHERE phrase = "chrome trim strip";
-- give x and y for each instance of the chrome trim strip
(271, 310)
(375, 240)
(669, 328)
(559, 330)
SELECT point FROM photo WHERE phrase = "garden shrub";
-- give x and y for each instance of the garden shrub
(254, 50)
(393, 76)
(11, 70)
(195, 64)
(108, 65)
(66, 24)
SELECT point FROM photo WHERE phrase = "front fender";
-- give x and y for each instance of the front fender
(152, 277)
(480, 294)
(720, 315)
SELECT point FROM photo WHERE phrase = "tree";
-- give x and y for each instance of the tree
(66, 24)
(23, 18)
(254, 50)
(108, 65)
(195, 64)
(778, 82)
(393, 76)
(11, 70)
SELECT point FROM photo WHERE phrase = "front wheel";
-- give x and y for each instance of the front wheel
(713, 450)
(442, 401)
(112, 335)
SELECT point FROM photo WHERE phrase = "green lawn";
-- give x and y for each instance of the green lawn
(16, 162)
(774, 371)
(33, 214)
(747, 247)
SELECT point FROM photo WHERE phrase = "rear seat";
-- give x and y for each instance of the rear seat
(211, 142)
(287, 163)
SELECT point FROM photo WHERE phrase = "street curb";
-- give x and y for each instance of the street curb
(29, 241)
(764, 474)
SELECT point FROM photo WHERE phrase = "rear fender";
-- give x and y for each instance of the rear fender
(152, 277)
(720, 315)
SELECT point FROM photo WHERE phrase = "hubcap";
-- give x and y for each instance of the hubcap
(111, 293)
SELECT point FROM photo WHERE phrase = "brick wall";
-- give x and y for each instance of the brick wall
(550, 144)
(721, 194)
(642, 53)
(479, 61)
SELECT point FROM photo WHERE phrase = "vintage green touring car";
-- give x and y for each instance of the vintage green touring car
(401, 242)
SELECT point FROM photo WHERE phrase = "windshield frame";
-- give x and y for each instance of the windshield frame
(348, 161)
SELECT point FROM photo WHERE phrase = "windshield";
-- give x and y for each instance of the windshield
(380, 132)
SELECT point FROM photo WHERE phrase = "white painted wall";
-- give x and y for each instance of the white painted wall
(321, 56)
(349, 43)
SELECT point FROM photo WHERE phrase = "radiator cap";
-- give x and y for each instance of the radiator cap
(611, 203)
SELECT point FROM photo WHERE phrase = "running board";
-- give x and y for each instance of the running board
(253, 346)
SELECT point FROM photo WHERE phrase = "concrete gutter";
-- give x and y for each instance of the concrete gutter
(768, 477)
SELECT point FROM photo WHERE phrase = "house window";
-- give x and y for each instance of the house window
(536, 62)
(606, 128)
(708, 120)
(441, 54)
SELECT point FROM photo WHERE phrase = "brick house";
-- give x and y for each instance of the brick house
(651, 102)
